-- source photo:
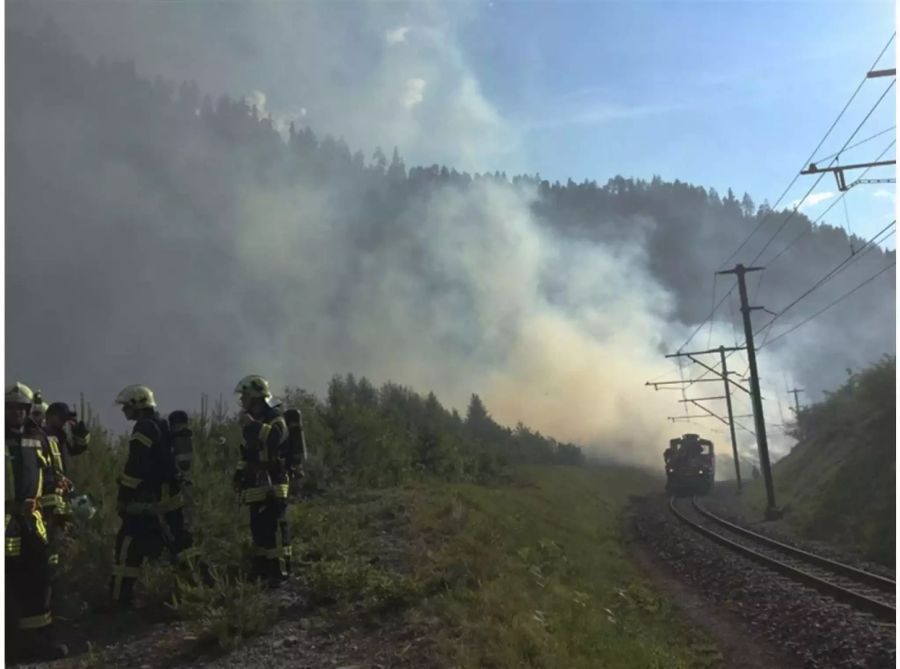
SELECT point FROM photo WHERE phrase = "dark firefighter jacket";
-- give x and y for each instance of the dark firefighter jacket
(147, 485)
(24, 480)
(60, 446)
(262, 472)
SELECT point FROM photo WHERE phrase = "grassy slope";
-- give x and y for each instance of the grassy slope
(837, 484)
(529, 574)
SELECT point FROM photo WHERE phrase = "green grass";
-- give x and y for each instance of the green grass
(525, 567)
(533, 574)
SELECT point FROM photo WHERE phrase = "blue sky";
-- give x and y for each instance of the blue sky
(722, 94)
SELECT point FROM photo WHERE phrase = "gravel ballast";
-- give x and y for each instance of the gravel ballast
(815, 629)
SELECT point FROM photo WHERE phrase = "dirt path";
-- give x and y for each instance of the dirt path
(301, 638)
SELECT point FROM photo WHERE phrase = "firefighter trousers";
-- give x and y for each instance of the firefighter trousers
(56, 537)
(27, 572)
(139, 538)
(271, 539)
(143, 538)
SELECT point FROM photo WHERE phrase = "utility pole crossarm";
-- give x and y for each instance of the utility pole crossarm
(669, 383)
(871, 181)
(882, 73)
(740, 270)
(703, 399)
(722, 376)
(707, 367)
(813, 169)
(796, 392)
(711, 350)
(839, 172)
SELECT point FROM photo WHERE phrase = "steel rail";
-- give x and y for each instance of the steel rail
(880, 582)
(861, 602)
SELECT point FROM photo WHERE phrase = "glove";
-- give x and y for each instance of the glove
(65, 486)
(80, 429)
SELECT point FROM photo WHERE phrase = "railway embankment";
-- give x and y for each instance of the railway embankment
(837, 485)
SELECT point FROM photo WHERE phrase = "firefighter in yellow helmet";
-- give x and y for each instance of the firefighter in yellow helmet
(150, 502)
(29, 621)
(262, 479)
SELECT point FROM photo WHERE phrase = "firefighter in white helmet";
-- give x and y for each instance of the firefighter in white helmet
(262, 478)
(29, 622)
(150, 502)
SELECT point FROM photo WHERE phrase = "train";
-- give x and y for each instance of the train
(690, 465)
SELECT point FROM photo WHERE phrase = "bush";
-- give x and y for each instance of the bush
(225, 612)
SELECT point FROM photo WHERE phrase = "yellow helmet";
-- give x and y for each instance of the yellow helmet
(137, 397)
(19, 393)
(253, 386)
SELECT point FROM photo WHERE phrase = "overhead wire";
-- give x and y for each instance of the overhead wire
(811, 227)
(859, 143)
(830, 305)
(797, 206)
(811, 155)
(822, 174)
(800, 202)
(868, 246)
(840, 267)
(770, 330)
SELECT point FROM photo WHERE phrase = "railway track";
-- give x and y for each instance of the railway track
(864, 591)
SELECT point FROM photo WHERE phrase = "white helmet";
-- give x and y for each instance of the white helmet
(38, 406)
(254, 386)
(19, 393)
(136, 397)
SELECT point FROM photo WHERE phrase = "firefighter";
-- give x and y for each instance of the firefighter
(65, 438)
(262, 479)
(150, 502)
(29, 622)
